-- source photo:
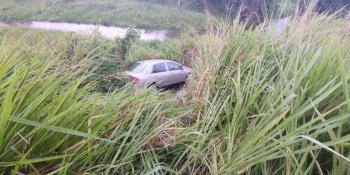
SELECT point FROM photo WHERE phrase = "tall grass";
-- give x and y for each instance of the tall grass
(273, 105)
(51, 121)
(255, 104)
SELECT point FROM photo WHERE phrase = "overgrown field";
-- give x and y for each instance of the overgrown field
(107, 12)
(255, 104)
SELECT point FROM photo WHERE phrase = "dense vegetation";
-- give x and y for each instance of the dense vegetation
(106, 12)
(256, 103)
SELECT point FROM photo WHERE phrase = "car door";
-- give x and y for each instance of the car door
(160, 74)
(176, 73)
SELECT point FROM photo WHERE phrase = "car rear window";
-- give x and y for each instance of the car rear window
(159, 68)
(173, 66)
(137, 68)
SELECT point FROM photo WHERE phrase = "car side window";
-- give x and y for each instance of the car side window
(173, 66)
(160, 67)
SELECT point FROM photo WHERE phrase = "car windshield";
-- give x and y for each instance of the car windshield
(137, 68)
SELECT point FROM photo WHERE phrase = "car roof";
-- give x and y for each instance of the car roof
(155, 61)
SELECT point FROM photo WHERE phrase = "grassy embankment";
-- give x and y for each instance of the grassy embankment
(256, 104)
(106, 12)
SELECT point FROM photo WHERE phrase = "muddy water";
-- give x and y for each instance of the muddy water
(88, 29)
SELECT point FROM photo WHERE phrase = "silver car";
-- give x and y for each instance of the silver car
(158, 73)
